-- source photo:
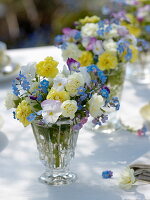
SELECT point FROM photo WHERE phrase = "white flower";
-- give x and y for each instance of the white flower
(69, 108)
(127, 179)
(51, 110)
(75, 81)
(98, 49)
(85, 74)
(89, 30)
(71, 51)
(65, 71)
(59, 82)
(29, 71)
(85, 41)
(9, 100)
(110, 45)
(132, 39)
(95, 104)
(113, 33)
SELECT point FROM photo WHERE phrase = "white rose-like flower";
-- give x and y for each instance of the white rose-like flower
(75, 81)
(127, 179)
(9, 100)
(95, 104)
(71, 51)
(110, 45)
(69, 108)
(89, 30)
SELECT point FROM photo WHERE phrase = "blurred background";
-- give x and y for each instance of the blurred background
(31, 23)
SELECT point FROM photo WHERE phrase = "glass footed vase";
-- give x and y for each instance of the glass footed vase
(56, 145)
(115, 82)
(139, 72)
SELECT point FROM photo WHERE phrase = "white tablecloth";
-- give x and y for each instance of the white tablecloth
(20, 165)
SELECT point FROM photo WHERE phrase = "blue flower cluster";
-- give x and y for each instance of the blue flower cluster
(101, 75)
(103, 29)
(44, 86)
(107, 174)
(123, 46)
(115, 103)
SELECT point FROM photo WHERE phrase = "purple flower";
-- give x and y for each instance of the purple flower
(77, 127)
(84, 120)
(91, 44)
(73, 65)
(33, 97)
(107, 174)
(96, 121)
(122, 31)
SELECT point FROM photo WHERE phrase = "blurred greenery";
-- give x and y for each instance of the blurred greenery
(27, 23)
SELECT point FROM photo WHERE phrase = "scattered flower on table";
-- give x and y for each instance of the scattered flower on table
(48, 95)
(107, 174)
(127, 179)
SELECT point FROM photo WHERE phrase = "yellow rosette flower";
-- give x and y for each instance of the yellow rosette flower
(87, 19)
(58, 95)
(22, 112)
(135, 53)
(86, 58)
(107, 60)
(47, 68)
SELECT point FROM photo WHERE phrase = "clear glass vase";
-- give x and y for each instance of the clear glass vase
(56, 145)
(139, 72)
(115, 82)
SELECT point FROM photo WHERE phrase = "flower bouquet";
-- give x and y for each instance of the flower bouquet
(137, 22)
(57, 104)
(134, 15)
(104, 43)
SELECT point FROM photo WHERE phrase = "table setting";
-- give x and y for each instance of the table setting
(74, 124)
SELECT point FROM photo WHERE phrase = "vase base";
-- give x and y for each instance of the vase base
(58, 179)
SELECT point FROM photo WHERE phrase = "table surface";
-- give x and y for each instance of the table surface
(20, 166)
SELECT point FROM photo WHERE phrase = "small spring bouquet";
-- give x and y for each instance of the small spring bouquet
(57, 103)
(137, 21)
(104, 43)
(101, 42)
(43, 93)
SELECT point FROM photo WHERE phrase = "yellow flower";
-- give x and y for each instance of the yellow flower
(86, 58)
(47, 68)
(22, 112)
(134, 30)
(107, 60)
(134, 54)
(58, 95)
(87, 19)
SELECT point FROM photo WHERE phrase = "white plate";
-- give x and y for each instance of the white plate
(10, 76)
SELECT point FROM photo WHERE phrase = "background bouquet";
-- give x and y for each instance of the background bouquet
(102, 42)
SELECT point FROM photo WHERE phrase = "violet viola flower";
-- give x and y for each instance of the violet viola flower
(33, 97)
(122, 31)
(91, 44)
(73, 65)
